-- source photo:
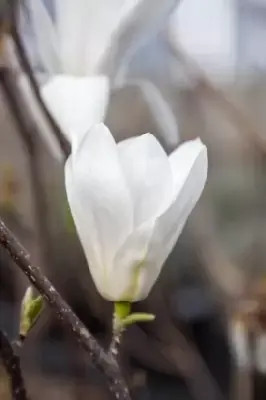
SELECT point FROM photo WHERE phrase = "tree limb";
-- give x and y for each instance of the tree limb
(12, 366)
(102, 361)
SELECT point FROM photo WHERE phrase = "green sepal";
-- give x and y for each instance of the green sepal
(137, 317)
(123, 318)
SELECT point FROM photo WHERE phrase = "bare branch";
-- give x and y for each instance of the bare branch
(102, 361)
(12, 366)
(115, 344)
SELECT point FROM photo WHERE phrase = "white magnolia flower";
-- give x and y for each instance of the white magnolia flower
(130, 202)
(74, 41)
(67, 45)
(75, 36)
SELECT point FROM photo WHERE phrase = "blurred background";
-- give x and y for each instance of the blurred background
(208, 60)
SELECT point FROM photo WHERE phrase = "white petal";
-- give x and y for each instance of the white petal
(73, 22)
(139, 261)
(99, 200)
(76, 103)
(130, 266)
(185, 159)
(86, 29)
(144, 23)
(85, 225)
(148, 174)
(45, 34)
(238, 337)
(189, 166)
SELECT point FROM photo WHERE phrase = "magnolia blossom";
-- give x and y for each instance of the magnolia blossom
(71, 42)
(75, 36)
(130, 202)
(67, 46)
(74, 41)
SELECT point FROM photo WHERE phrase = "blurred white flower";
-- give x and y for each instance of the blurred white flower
(130, 202)
(147, 20)
(70, 47)
(73, 37)
(238, 336)
(75, 41)
(76, 103)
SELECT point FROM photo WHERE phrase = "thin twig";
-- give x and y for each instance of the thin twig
(116, 339)
(115, 344)
(102, 361)
(12, 366)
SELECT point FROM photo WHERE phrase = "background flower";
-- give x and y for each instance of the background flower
(79, 46)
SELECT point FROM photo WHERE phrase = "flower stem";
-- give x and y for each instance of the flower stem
(115, 344)
(123, 318)
(116, 337)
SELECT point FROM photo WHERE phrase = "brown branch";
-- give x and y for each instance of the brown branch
(115, 344)
(102, 361)
(11, 364)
